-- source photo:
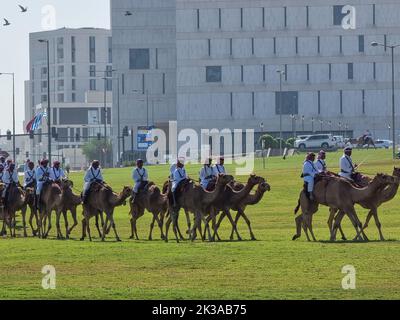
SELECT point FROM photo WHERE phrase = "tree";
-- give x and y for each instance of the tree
(269, 142)
(290, 142)
(98, 149)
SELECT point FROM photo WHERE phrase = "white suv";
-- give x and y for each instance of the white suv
(324, 141)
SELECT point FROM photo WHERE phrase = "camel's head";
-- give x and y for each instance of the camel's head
(224, 179)
(253, 180)
(126, 191)
(396, 172)
(66, 184)
(384, 178)
(264, 187)
(29, 191)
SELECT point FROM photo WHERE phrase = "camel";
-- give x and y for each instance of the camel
(70, 202)
(196, 200)
(34, 214)
(102, 199)
(230, 199)
(361, 141)
(16, 200)
(51, 199)
(339, 194)
(250, 199)
(152, 200)
(385, 194)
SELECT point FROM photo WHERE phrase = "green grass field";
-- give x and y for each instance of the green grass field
(274, 267)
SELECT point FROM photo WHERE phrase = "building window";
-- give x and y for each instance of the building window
(60, 97)
(274, 45)
(163, 83)
(330, 71)
(341, 101)
(60, 85)
(92, 84)
(340, 44)
(43, 98)
(296, 44)
(214, 74)
(252, 46)
(109, 72)
(242, 73)
(92, 71)
(289, 102)
(231, 47)
(139, 59)
(286, 72)
(92, 49)
(374, 14)
(73, 97)
(264, 72)
(374, 70)
(319, 102)
(231, 103)
(319, 44)
(44, 86)
(60, 50)
(308, 72)
(209, 47)
(123, 84)
(385, 41)
(109, 49)
(73, 84)
(241, 18)
(220, 18)
(338, 15)
(43, 73)
(361, 43)
(350, 71)
(156, 58)
(109, 85)
(253, 103)
(73, 71)
(285, 17)
(73, 50)
(198, 18)
(263, 17)
(60, 71)
(307, 16)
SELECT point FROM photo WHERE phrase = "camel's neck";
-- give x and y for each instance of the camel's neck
(367, 192)
(212, 196)
(255, 198)
(243, 192)
(117, 200)
(389, 192)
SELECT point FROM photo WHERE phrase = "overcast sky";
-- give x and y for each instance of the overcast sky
(14, 53)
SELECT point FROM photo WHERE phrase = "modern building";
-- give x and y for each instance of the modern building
(218, 60)
(80, 60)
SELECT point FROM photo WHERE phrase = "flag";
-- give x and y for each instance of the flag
(35, 122)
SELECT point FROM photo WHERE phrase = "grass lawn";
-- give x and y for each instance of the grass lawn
(274, 267)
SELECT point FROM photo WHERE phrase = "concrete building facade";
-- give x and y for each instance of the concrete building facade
(225, 56)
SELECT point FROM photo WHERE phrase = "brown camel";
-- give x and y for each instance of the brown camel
(196, 200)
(340, 194)
(102, 199)
(70, 202)
(152, 200)
(250, 199)
(34, 215)
(16, 200)
(51, 200)
(230, 199)
(361, 141)
(385, 194)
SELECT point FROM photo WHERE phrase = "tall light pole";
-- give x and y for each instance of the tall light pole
(375, 44)
(281, 74)
(48, 99)
(312, 124)
(302, 123)
(13, 107)
(321, 122)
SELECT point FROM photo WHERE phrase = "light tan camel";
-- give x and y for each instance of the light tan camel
(102, 199)
(340, 194)
(385, 194)
(196, 200)
(51, 200)
(230, 199)
(16, 200)
(249, 200)
(34, 215)
(70, 202)
(152, 200)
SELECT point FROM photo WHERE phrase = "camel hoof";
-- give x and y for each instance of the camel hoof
(119, 240)
(151, 239)
(239, 239)
(82, 239)
(344, 238)
(131, 237)
(253, 239)
(295, 237)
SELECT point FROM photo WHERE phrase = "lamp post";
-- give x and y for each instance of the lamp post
(281, 74)
(375, 44)
(312, 124)
(340, 128)
(302, 123)
(389, 128)
(13, 107)
(48, 99)
(330, 125)
(321, 122)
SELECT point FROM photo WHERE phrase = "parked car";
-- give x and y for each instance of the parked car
(324, 141)
(383, 144)
(340, 141)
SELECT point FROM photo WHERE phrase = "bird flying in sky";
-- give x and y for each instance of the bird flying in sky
(23, 9)
(128, 13)
(6, 22)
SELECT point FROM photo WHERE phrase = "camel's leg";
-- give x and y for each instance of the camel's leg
(49, 227)
(228, 214)
(14, 223)
(208, 219)
(187, 214)
(160, 225)
(58, 226)
(152, 227)
(378, 225)
(167, 228)
(332, 213)
(338, 219)
(304, 221)
(111, 218)
(23, 214)
(132, 232)
(73, 213)
(175, 216)
(97, 225)
(135, 229)
(243, 214)
(310, 227)
(197, 222)
(360, 231)
(179, 231)
(10, 220)
(207, 226)
(64, 213)
(88, 231)
(299, 222)
(83, 228)
(34, 214)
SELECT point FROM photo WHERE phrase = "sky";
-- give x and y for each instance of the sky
(14, 39)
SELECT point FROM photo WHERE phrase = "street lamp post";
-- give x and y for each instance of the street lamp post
(375, 44)
(281, 74)
(48, 98)
(312, 124)
(302, 123)
(321, 122)
(13, 108)
(389, 128)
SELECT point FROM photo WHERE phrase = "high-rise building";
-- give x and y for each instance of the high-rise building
(218, 60)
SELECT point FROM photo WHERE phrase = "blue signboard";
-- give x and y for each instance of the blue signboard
(144, 137)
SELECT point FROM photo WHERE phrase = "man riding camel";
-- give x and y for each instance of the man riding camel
(30, 176)
(320, 164)
(179, 176)
(207, 174)
(56, 172)
(3, 161)
(366, 136)
(309, 173)
(93, 175)
(219, 167)
(347, 168)
(42, 176)
(141, 178)
(10, 177)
